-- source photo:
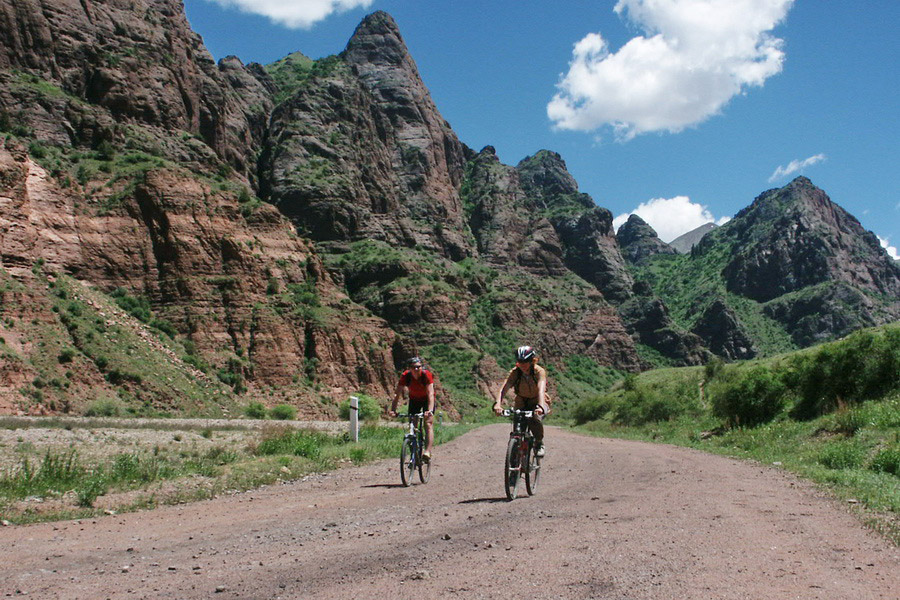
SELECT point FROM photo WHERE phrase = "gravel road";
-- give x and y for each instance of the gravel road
(612, 520)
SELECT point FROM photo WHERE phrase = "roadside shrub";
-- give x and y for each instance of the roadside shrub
(104, 407)
(593, 408)
(283, 412)
(756, 396)
(369, 409)
(89, 490)
(358, 455)
(865, 365)
(641, 406)
(841, 455)
(255, 410)
(284, 440)
(887, 461)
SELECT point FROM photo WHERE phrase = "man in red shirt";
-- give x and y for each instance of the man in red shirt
(419, 382)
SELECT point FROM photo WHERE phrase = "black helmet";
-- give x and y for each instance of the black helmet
(525, 353)
(415, 361)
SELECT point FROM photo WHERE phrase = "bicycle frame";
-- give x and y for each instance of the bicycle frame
(520, 457)
(413, 446)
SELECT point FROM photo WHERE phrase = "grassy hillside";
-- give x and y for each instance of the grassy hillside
(829, 413)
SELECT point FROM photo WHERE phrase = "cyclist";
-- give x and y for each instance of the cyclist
(529, 381)
(419, 382)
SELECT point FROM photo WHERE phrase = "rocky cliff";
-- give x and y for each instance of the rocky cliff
(292, 233)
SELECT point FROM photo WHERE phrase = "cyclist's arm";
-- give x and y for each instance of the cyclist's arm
(498, 403)
(430, 389)
(542, 394)
(398, 395)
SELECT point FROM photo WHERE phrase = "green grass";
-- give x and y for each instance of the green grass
(830, 414)
(276, 453)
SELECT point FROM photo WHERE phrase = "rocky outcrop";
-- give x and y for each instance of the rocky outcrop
(722, 332)
(507, 226)
(796, 237)
(639, 241)
(647, 320)
(828, 311)
(139, 61)
(585, 230)
(238, 283)
(361, 152)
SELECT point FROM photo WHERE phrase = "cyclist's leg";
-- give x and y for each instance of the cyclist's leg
(536, 423)
(429, 433)
(416, 406)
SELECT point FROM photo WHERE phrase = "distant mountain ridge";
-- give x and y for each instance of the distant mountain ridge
(684, 242)
(296, 231)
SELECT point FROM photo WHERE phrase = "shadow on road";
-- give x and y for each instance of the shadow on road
(385, 485)
(480, 500)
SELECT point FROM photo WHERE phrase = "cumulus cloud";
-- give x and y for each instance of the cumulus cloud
(671, 217)
(795, 166)
(891, 250)
(294, 13)
(694, 56)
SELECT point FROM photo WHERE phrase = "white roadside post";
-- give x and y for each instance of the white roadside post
(354, 418)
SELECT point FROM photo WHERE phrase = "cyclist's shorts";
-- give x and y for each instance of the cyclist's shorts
(523, 403)
(416, 405)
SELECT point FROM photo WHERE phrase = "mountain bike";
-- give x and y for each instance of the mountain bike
(413, 446)
(521, 455)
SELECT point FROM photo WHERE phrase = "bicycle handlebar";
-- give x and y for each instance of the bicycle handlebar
(406, 415)
(515, 411)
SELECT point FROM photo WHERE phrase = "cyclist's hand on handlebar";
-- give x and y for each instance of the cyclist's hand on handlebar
(392, 413)
(498, 410)
(539, 411)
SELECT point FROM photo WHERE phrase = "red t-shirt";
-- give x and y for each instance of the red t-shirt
(418, 388)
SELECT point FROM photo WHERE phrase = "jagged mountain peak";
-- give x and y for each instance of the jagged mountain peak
(796, 236)
(377, 40)
(638, 240)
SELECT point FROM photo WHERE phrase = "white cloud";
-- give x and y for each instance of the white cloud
(891, 250)
(671, 217)
(795, 166)
(294, 13)
(694, 56)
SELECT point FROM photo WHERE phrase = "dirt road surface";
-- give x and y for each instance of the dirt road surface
(612, 519)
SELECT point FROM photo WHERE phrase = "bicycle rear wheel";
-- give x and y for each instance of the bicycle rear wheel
(533, 473)
(513, 469)
(407, 460)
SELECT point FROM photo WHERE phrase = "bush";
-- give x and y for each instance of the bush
(283, 412)
(104, 407)
(593, 408)
(255, 410)
(887, 461)
(841, 455)
(866, 365)
(369, 409)
(756, 397)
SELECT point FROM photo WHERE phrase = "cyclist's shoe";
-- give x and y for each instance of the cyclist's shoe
(540, 450)
(426, 457)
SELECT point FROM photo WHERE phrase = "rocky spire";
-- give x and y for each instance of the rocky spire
(638, 240)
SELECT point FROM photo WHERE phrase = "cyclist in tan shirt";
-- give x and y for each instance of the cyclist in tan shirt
(529, 381)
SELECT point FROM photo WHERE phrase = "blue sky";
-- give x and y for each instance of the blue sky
(681, 110)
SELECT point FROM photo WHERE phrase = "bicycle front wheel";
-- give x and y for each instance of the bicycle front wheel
(424, 471)
(533, 473)
(407, 460)
(513, 469)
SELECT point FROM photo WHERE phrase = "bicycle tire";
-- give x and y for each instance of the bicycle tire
(533, 472)
(407, 460)
(424, 471)
(512, 469)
